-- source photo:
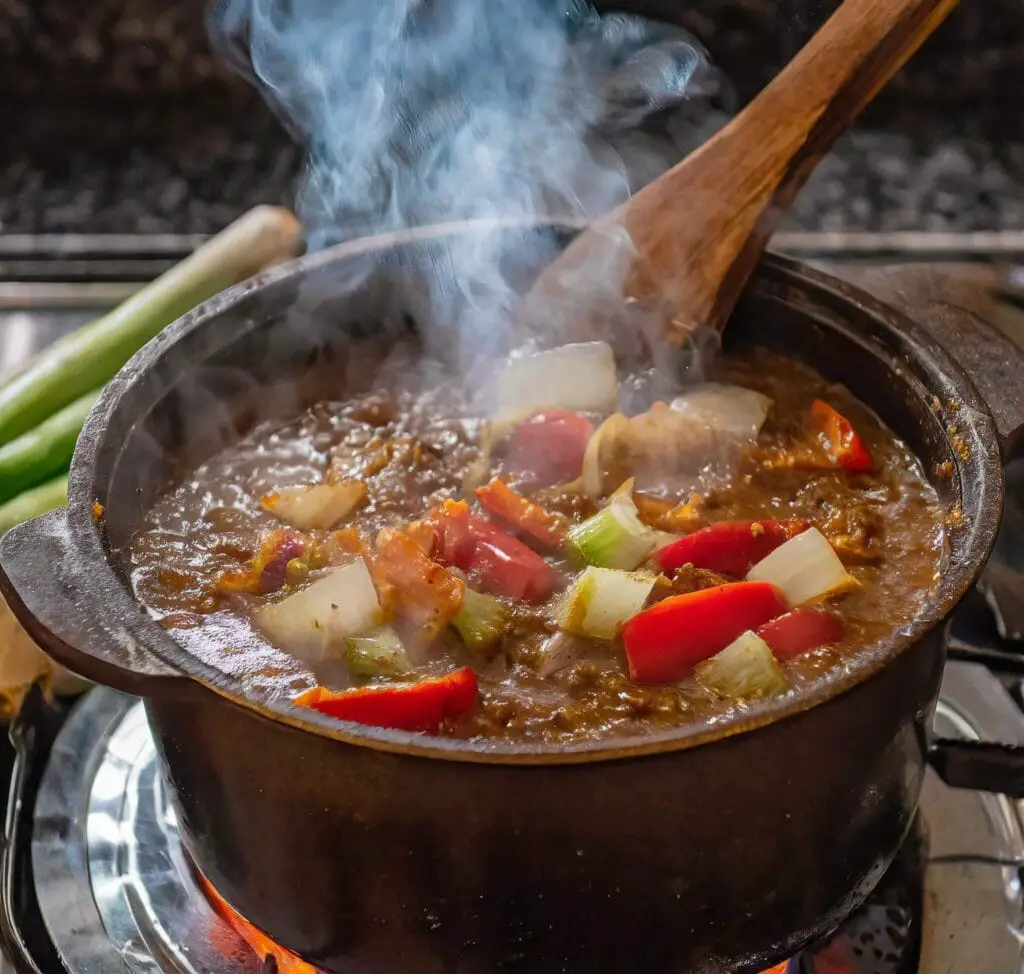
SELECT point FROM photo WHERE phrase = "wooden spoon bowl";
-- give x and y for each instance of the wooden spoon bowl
(697, 232)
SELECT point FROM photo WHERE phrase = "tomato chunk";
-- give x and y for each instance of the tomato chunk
(664, 643)
(419, 706)
(799, 632)
(728, 547)
(426, 594)
(841, 441)
(526, 517)
(548, 447)
(503, 565)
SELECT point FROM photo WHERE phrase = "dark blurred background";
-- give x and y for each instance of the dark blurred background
(117, 118)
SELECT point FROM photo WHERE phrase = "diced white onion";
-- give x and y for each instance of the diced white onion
(804, 569)
(602, 599)
(745, 668)
(559, 651)
(314, 622)
(728, 409)
(316, 507)
(579, 377)
(592, 475)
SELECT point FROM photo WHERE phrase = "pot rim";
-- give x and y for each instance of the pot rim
(910, 341)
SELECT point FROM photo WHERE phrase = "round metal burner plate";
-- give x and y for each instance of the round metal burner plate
(115, 890)
(117, 894)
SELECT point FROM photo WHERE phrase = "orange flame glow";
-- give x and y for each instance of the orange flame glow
(287, 962)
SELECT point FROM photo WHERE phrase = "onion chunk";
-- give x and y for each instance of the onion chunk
(315, 622)
(804, 569)
(315, 507)
(728, 409)
(579, 377)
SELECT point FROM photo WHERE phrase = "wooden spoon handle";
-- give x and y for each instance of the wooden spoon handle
(700, 229)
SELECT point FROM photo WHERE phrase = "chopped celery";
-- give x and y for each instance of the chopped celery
(481, 621)
(745, 668)
(614, 537)
(602, 599)
(377, 653)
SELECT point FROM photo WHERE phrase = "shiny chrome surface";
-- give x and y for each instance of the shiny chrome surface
(117, 895)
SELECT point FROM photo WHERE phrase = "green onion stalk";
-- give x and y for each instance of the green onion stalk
(90, 356)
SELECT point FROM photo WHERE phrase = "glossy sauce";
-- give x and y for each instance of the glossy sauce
(412, 447)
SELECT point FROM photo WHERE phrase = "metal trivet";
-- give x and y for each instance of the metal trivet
(117, 896)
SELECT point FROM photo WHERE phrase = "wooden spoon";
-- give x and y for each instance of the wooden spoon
(699, 230)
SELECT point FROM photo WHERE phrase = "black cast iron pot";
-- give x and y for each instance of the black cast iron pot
(382, 852)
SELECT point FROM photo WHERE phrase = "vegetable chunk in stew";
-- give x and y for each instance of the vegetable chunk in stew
(574, 563)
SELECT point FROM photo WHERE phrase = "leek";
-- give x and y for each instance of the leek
(377, 653)
(482, 620)
(602, 599)
(745, 668)
(614, 537)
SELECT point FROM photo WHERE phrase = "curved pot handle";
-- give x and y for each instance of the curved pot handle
(957, 313)
(49, 601)
(979, 766)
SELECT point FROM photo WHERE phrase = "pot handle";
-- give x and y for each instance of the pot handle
(957, 314)
(46, 596)
(979, 766)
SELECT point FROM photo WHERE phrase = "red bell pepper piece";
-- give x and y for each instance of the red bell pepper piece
(845, 447)
(495, 561)
(528, 518)
(799, 632)
(728, 547)
(663, 643)
(411, 706)
(549, 447)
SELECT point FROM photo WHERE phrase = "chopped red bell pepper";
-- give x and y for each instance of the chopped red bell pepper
(728, 547)
(799, 632)
(528, 518)
(664, 643)
(844, 446)
(549, 447)
(496, 562)
(412, 706)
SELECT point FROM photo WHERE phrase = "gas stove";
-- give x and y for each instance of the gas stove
(93, 876)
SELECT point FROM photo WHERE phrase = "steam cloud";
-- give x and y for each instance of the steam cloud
(422, 111)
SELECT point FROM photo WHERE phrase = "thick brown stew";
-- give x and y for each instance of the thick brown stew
(453, 546)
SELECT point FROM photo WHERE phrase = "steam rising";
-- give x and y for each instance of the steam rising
(423, 111)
